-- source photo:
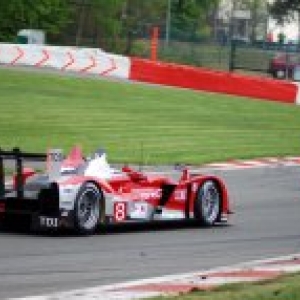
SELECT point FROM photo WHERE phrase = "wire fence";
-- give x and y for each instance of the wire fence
(264, 58)
(281, 61)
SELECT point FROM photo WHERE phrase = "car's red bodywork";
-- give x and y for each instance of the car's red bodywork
(84, 193)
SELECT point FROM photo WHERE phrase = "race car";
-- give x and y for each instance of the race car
(83, 193)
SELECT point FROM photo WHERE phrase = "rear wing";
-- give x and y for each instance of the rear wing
(19, 158)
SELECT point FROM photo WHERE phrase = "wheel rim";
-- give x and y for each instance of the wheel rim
(280, 74)
(88, 208)
(210, 202)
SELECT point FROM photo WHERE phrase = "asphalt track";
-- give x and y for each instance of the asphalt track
(266, 224)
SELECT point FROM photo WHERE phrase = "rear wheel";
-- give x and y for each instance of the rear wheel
(88, 208)
(279, 74)
(208, 203)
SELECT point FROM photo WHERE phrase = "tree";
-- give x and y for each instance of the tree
(286, 11)
(190, 17)
(117, 23)
(108, 18)
(48, 15)
(283, 10)
(121, 22)
(138, 18)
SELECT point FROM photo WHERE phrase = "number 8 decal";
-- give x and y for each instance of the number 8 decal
(120, 211)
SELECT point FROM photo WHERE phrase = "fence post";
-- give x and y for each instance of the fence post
(2, 177)
(154, 42)
(287, 63)
(232, 55)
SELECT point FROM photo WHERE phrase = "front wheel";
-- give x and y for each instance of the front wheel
(208, 203)
(88, 208)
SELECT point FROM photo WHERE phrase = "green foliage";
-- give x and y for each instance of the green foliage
(48, 15)
(139, 17)
(109, 21)
(189, 17)
(119, 22)
(284, 9)
(116, 24)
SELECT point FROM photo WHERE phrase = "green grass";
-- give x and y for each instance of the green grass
(285, 288)
(170, 125)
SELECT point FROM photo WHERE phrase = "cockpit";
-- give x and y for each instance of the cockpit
(95, 165)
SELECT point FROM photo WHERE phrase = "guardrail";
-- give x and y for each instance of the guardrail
(97, 62)
(213, 81)
(74, 59)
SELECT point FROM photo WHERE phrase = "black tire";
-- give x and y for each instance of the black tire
(279, 74)
(208, 203)
(89, 208)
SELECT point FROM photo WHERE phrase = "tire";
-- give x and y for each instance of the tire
(89, 208)
(279, 74)
(208, 203)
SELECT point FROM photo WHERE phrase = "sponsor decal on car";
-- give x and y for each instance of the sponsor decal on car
(120, 211)
(48, 222)
(180, 195)
(139, 210)
(147, 193)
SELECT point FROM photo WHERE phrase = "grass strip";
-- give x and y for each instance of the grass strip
(285, 288)
(159, 124)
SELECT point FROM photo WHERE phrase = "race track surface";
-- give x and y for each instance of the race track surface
(266, 223)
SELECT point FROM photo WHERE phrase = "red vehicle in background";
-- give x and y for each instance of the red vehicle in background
(283, 65)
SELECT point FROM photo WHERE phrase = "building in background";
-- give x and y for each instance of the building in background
(250, 21)
(241, 20)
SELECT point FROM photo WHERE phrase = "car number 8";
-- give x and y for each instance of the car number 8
(120, 211)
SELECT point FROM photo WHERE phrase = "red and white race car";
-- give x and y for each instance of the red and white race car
(84, 193)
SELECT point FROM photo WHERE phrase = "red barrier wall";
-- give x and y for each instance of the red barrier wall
(213, 81)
